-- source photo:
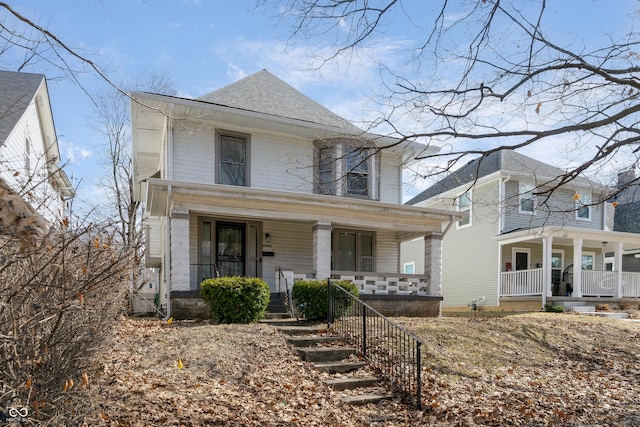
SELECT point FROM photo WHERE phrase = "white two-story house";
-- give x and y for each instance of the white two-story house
(30, 161)
(255, 179)
(516, 246)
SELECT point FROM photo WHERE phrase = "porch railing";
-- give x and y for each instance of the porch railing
(598, 283)
(387, 283)
(631, 284)
(284, 289)
(521, 282)
(390, 349)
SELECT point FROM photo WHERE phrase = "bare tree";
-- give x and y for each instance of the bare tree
(484, 75)
(113, 121)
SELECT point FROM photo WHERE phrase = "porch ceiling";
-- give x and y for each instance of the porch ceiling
(246, 202)
(566, 236)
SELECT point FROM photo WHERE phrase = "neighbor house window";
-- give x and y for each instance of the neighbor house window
(353, 250)
(233, 159)
(527, 201)
(464, 207)
(409, 267)
(583, 207)
(27, 156)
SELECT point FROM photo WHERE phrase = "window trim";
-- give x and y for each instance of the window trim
(411, 264)
(347, 151)
(247, 159)
(525, 190)
(469, 196)
(580, 204)
(340, 149)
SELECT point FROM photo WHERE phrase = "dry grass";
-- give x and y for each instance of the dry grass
(534, 369)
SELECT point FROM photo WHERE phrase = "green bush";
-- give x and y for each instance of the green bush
(550, 308)
(310, 297)
(235, 299)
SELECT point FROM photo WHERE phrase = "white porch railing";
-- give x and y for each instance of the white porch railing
(598, 283)
(387, 283)
(594, 283)
(521, 282)
(631, 284)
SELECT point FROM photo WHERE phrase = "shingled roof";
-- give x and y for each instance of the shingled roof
(508, 161)
(17, 90)
(263, 92)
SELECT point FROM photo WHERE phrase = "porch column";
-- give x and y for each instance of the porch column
(547, 247)
(577, 268)
(433, 262)
(179, 229)
(617, 260)
(322, 249)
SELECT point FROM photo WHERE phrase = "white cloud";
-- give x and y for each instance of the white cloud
(72, 153)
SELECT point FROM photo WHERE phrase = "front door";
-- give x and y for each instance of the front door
(231, 248)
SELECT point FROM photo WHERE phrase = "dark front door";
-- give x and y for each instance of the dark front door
(231, 249)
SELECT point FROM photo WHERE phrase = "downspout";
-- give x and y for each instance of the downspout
(169, 176)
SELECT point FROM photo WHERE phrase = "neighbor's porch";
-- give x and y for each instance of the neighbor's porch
(555, 262)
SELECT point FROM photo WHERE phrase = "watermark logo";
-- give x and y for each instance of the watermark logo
(15, 415)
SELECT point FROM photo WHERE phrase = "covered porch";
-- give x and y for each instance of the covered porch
(218, 230)
(556, 262)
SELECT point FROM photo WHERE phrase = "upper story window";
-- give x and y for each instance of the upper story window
(341, 169)
(233, 164)
(325, 181)
(357, 171)
(27, 156)
(526, 199)
(583, 207)
(463, 204)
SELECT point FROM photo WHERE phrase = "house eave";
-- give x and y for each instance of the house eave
(566, 235)
(163, 196)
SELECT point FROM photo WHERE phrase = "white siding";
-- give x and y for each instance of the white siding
(386, 252)
(469, 254)
(390, 178)
(33, 183)
(292, 246)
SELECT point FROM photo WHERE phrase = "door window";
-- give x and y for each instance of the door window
(230, 248)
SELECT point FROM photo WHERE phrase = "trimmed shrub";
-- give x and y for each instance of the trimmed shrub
(310, 297)
(550, 308)
(235, 299)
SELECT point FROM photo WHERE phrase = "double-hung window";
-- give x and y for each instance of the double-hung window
(463, 204)
(583, 207)
(357, 171)
(343, 169)
(233, 159)
(526, 199)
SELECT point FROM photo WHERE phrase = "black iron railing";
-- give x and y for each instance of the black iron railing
(390, 349)
(284, 289)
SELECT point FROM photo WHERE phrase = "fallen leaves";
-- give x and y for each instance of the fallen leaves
(511, 371)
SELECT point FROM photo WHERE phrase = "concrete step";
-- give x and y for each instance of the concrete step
(326, 354)
(310, 341)
(351, 383)
(302, 330)
(287, 321)
(584, 309)
(614, 315)
(363, 399)
(339, 367)
(276, 315)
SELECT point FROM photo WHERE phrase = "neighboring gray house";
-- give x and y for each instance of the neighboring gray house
(29, 152)
(516, 248)
(627, 214)
(256, 179)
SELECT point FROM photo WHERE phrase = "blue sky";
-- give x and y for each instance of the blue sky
(203, 45)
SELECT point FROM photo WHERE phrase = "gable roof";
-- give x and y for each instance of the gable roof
(507, 161)
(263, 92)
(626, 217)
(18, 90)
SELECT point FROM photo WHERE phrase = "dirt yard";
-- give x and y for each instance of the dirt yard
(534, 370)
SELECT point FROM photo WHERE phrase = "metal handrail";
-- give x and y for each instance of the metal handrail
(287, 291)
(390, 349)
